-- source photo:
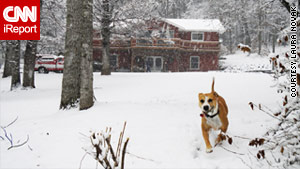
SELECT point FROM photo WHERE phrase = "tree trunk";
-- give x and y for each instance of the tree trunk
(274, 38)
(77, 84)
(106, 33)
(71, 77)
(259, 41)
(29, 63)
(230, 42)
(86, 74)
(247, 39)
(106, 55)
(260, 15)
(16, 80)
(8, 59)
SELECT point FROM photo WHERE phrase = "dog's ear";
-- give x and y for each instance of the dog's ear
(199, 95)
(216, 94)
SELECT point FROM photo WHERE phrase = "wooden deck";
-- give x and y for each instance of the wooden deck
(151, 43)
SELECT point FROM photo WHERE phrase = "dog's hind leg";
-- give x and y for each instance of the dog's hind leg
(223, 130)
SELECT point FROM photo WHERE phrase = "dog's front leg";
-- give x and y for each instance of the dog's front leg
(205, 133)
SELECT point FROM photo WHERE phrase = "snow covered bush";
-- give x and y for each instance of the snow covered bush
(280, 146)
(102, 151)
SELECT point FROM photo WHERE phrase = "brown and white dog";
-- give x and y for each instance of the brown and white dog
(244, 48)
(214, 115)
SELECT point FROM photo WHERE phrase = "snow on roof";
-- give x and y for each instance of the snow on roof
(206, 25)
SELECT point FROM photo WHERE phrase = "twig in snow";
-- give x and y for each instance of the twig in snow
(19, 145)
(142, 158)
(9, 136)
(123, 153)
(11, 122)
(232, 151)
(241, 137)
(263, 110)
(82, 160)
(83, 135)
(121, 139)
(245, 162)
(30, 148)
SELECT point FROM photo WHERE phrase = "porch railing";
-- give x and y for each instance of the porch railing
(160, 43)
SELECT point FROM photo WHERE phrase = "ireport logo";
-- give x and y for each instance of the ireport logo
(19, 20)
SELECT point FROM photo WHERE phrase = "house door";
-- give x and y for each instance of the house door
(154, 63)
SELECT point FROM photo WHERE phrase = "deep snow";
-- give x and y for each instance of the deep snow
(162, 114)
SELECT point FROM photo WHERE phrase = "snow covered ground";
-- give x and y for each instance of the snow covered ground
(162, 114)
(245, 62)
(241, 62)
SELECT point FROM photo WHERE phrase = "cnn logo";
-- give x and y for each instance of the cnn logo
(18, 13)
(20, 20)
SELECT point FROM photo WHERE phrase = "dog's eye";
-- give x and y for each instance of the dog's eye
(202, 101)
(209, 100)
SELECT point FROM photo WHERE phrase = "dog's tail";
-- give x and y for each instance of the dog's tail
(213, 85)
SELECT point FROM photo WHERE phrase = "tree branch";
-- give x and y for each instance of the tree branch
(285, 4)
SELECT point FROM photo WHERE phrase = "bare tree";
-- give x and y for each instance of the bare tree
(29, 60)
(53, 26)
(77, 78)
(8, 59)
(114, 15)
(255, 23)
(16, 80)
(71, 77)
(106, 7)
(29, 63)
(86, 67)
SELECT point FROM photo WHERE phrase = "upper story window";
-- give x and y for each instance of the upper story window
(168, 34)
(197, 36)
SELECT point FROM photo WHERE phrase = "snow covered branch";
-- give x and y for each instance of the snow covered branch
(280, 146)
(103, 152)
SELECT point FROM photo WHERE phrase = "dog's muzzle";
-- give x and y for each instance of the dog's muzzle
(206, 108)
(209, 112)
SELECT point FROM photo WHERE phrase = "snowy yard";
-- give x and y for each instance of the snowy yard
(162, 114)
(241, 62)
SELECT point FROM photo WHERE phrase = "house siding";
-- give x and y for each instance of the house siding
(176, 56)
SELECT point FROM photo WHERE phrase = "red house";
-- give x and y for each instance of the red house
(174, 45)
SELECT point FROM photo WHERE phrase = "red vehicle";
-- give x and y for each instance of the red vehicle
(46, 62)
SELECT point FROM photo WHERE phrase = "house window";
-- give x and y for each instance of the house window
(113, 61)
(194, 62)
(197, 36)
(171, 34)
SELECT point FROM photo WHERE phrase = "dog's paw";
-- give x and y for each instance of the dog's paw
(209, 150)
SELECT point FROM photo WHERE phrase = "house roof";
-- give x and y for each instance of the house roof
(205, 25)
